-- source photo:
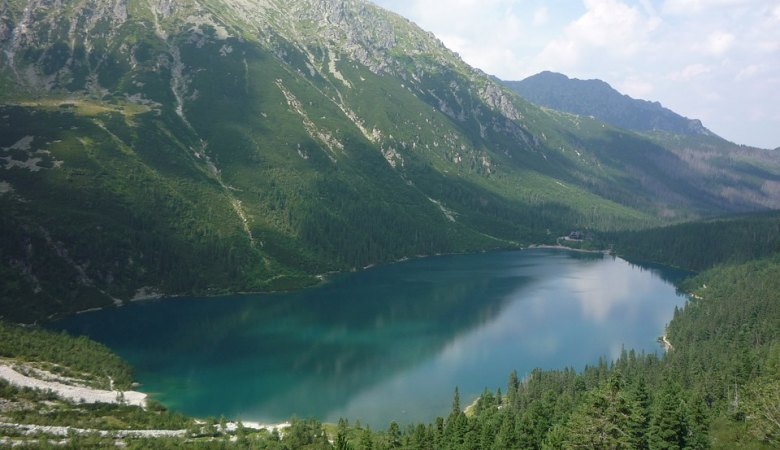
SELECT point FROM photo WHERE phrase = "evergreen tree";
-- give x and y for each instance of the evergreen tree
(394, 435)
(762, 405)
(641, 398)
(341, 436)
(505, 438)
(606, 418)
(524, 432)
(513, 385)
(366, 440)
(456, 402)
(421, 440)
(438, 433)
(668, 427)
(698, 426)
(556, 438)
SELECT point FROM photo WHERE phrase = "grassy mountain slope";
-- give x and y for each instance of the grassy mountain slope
(204, 146)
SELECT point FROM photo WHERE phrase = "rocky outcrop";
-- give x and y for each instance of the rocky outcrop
(498, 99)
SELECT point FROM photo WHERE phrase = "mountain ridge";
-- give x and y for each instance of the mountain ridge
(597, 98)
(207, 146)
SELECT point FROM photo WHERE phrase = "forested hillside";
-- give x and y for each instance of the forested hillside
(716, 386)
(152, 148)
(703, 244)
(156, 148)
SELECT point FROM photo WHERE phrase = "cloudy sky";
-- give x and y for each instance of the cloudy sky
(714, 60)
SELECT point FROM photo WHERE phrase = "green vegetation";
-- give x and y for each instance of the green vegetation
(701, 245)
(717, 388)
(200, 148)
(64, 354)
(207, 149)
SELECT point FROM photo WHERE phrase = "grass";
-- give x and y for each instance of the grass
(83, 107)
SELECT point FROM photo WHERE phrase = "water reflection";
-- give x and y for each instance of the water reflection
(604, 294)
(385, 344)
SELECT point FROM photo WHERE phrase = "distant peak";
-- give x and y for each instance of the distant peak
(598, 99)
(549, 73)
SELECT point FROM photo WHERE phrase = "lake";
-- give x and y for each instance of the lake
(391, 342)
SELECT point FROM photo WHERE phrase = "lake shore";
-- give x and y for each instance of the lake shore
(150, 294)
(563, 247)
(75, 391)
(406, 300)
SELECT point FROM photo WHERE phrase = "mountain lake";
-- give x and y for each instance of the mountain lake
(390, 342)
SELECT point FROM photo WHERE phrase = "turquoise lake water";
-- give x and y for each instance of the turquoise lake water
(391, 342)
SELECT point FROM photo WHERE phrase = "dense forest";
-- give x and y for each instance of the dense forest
(717, 385)
(700, 245)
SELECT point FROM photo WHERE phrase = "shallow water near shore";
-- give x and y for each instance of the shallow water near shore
(388, 343)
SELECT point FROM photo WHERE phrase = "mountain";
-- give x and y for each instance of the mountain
(153, 147)
(600, 100)
(687, 139)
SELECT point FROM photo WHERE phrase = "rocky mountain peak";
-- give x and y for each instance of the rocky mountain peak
(598, 99)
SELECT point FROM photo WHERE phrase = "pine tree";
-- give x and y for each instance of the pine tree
(512, 390)
(524, 432)
(668, 426)
(341, 436)
(505, 438)
(556, 438)
(605, 419)
(641, 397)
(366, 439)
(420, 438)
(698, 426)
(438, 433)
(457, 424)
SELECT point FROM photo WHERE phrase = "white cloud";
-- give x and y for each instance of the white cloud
(541, 16)
(601, 295)
(608, 28)
(687, 54)
(749, 72)
(484, 32)
(606, 23)
(636, 87)
(718, 43)
(687, 7)
(690, 72)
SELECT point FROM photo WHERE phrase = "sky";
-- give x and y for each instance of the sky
(714, 60)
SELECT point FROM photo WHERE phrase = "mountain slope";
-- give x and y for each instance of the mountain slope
(717, 165)
(598, 99)
(209, 146)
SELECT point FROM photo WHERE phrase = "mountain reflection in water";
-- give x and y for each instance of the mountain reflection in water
(389, 343)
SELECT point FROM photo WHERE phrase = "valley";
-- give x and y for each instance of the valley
(243, 141)
(256, 153)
